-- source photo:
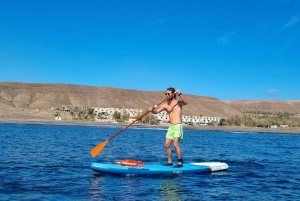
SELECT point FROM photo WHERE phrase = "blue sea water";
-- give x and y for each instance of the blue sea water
(51, 162)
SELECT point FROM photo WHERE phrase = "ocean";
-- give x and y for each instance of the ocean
(51, 162)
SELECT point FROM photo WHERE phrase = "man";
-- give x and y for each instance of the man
(175, 130)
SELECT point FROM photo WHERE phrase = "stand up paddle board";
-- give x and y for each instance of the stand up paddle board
(156, 169)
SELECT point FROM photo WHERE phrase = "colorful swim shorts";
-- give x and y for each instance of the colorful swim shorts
(175, 130)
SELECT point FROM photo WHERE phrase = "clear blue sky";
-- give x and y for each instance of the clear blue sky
(230, 50)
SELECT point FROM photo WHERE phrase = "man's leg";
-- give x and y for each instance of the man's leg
(168, 150)
(178, 150)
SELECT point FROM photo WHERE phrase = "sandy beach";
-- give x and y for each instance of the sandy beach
(163, 126)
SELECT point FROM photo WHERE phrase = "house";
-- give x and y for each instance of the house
(58, 118)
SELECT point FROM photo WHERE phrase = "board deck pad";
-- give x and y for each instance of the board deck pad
(158, 169)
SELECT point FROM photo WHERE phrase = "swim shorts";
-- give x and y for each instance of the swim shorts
(175, 130)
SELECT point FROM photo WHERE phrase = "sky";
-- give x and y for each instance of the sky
(230, 50)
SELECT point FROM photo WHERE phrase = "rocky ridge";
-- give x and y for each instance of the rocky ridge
(26, 100)
(267, 106)
(16, 97)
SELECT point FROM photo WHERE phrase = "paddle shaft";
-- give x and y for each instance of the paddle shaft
(99, 147)
(115, 135)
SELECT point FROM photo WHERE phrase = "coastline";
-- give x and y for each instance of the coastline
(163, 126)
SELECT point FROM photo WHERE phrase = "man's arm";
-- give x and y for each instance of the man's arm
(156, 110)
(183, 100)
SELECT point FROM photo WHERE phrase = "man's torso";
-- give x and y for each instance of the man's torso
(174, 109)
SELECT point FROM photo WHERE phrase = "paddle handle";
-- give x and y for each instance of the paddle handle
(115, 135)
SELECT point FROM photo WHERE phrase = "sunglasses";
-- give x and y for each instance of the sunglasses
(167, 94)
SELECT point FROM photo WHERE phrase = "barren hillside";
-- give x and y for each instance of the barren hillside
(266, 106)
(24, 96)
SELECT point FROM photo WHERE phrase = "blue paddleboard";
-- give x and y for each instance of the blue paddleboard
(157, 169)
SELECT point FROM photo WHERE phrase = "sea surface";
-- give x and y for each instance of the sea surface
(51, 162)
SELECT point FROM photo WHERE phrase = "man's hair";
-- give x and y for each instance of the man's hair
(172, 90)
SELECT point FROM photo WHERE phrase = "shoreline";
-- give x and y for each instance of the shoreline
(163, 126)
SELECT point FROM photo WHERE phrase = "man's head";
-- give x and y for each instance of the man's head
(170, 91)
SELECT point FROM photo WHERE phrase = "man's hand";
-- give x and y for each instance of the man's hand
(151, 109)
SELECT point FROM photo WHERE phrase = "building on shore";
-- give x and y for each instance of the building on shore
(111, 111)
(76, 108)
(163, 117)
(106, 114)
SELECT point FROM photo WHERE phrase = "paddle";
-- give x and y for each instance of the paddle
(99, 147)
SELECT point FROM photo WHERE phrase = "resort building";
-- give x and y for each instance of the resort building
(77, 108)
(163, 117)
(110, 111)
(200, 120)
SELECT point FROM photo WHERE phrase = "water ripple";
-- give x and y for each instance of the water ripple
(48, 162)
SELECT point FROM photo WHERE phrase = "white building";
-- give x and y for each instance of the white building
(58, 118)
(163, 116)
(111, 111)
(200, 120)
(107, 113)
(273, 126)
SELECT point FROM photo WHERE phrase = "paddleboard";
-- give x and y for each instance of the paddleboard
(157, 169)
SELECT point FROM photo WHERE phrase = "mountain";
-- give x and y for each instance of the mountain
(266, 106)
(27, 97)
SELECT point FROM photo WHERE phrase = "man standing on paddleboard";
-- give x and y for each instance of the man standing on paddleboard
(175, 130)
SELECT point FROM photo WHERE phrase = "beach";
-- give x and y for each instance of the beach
(162, 126)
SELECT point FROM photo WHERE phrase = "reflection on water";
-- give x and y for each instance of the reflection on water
(95, 190)
(171, 190)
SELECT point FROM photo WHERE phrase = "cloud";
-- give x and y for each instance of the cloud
(273, 91)
(225, 39)
(293, 21)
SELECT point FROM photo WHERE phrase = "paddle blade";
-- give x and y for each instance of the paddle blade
(98, 148)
